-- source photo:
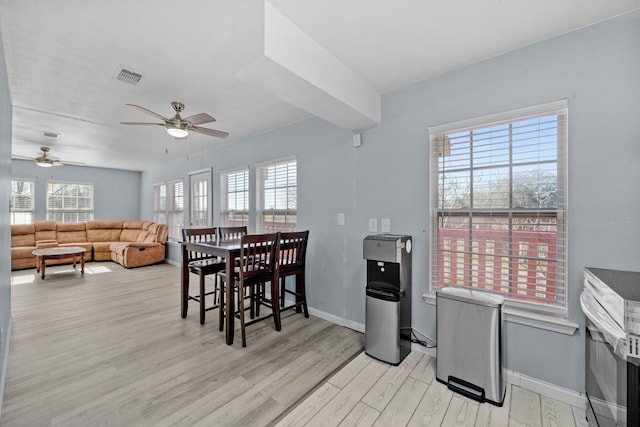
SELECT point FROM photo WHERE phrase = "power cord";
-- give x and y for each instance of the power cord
(423, 343)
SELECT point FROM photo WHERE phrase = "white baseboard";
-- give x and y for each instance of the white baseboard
(553, 391)
(5, 362)
(359, 327)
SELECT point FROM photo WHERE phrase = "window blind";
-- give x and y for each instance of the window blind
(498, 196)
(200, 212)
(235, 198)
(69, 202)
(175, 209)
(277, 196)
(22, 201)
(160, 203)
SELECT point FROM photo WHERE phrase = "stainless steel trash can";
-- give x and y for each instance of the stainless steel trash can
(469, 353)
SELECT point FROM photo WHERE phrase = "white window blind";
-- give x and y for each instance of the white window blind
(175, 208)
(498, 195)
(200, 206)
(160, 203)
(277, 196)
(22, 201)
(69, 202)
(235, 198)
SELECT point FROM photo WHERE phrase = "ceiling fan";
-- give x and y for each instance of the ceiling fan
(177, 126)
(45, 160)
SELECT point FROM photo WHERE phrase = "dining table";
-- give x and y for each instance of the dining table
(227, 250)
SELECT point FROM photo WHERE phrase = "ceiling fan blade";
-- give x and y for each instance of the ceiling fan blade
(210, 132)
(200, 119)
(148, 112)
(141, 123)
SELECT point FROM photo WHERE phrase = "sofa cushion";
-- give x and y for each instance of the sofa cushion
(104, 231)
(131, 230)
(142, 236)
(23, 235)
(71, 233)
(23, 252)
(45, 230)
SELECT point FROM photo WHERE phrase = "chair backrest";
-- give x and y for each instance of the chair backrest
(259, 257)
(293, 252)
(198, 235)
(229, 234)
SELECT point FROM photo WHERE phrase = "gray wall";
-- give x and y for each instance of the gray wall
(116, 192)
(597, 69)
(5, 229)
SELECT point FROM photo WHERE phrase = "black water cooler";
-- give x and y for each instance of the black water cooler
(388, 297)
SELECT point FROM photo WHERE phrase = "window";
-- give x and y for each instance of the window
(235, 198)
(175, 209)
(160, 203)
(69, 202)
(200, 183)
(498, 196)
(277, 196)
(22, 201)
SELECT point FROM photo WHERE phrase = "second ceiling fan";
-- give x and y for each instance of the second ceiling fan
(179, 127)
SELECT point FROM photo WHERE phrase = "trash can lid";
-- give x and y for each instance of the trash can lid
(471, 296)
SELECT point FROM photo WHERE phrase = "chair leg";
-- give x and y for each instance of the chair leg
(283, 291)
(241, 311)
(275, 304)
(202, 299)
(300, 285)
(221, 308)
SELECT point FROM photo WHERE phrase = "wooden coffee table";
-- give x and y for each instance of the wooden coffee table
(72, 252)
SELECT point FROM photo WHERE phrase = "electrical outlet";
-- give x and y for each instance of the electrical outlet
(385, 225)
(373, 225)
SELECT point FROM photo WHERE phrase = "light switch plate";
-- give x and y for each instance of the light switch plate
(373, 225)
(385, 225)
(341, 219)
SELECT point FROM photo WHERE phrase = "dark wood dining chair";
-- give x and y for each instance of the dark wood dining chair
(203, 265)
(292, 259)
(258, 265)
(230, 234)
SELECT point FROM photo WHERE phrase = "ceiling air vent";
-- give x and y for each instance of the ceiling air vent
(50, 134)
(129, 76)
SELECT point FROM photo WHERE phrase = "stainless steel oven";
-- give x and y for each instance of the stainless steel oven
(611, 304)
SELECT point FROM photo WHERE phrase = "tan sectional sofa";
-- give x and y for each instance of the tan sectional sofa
(129, 243)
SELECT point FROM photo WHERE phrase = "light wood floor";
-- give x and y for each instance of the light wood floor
(110, 348)
(367, 392)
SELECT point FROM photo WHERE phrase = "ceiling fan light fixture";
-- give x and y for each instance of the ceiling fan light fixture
(44, 163)
(177, 132)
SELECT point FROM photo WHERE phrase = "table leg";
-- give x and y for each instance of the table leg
(230, 324)
(184, 289)
(82, 264)
(43, 264)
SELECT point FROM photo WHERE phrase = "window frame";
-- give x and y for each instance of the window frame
(81, 214)
(225, 211)
(14, 209)
(438, 143)
(288, 212)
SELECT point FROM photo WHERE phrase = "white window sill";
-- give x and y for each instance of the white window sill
(528, 318)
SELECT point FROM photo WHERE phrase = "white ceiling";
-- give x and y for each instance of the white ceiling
(62, 58)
